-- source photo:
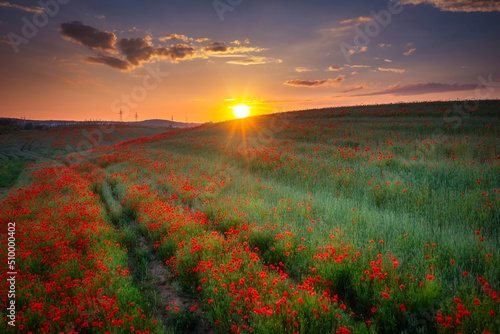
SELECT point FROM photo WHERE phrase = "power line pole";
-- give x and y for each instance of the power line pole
(136, 117)
(121, 115)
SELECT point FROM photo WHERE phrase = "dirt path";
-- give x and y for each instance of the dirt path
(159, 284)
(154, 278)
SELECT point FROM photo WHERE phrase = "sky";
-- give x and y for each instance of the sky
(194, 60)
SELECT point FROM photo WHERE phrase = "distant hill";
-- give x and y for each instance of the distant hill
(165, 123)
(149, 122)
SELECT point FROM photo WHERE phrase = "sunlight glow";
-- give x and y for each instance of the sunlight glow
(241, 111)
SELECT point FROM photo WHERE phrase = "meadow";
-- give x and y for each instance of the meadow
(368, 219)
(21, 147)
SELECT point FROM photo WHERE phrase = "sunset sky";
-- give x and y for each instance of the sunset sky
(194, 59)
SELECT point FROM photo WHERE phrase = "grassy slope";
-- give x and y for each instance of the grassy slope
(377, 219)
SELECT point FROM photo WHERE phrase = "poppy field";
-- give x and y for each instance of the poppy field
(368, 219)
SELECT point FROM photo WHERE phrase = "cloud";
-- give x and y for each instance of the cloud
(174, 36)
(407, 53)
(422, 88)
(395, 70)
(200, 40)
(29, 9)
(357, 66)
(357, 20)
(136, 50)
(383, 46)
(388, 60)
(216, 47)
(179, 51)
(335, 68)
(358, 87)
(316, 83)
(88, 36)
(114, 62)
(357, 49)
(221, 49)
(459, 5)
(302, 69)
(346, 26)
(100, 17)
(249, 61)
(255, 61)
(139, 50)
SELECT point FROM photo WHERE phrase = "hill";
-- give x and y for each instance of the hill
(165, 123)
(53, 123)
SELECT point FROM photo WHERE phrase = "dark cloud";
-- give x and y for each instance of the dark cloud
(422, 88)
(179, 51)
(216, 47)
(89, 36)
(459, 5)
(114, 62)
(137, 50)
(316, 83)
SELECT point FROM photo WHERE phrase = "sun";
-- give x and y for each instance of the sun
(241, 110)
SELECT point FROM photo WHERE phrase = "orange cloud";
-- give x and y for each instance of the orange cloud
(316, 83)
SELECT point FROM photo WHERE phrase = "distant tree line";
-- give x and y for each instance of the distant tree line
(8, 126)
(11, 125)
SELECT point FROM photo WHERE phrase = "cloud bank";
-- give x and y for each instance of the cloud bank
(459, 5)
(135, 51)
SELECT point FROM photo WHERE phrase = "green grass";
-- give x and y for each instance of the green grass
(10, 170)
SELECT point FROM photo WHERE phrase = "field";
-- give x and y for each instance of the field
(369, 219)
(18, 148)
